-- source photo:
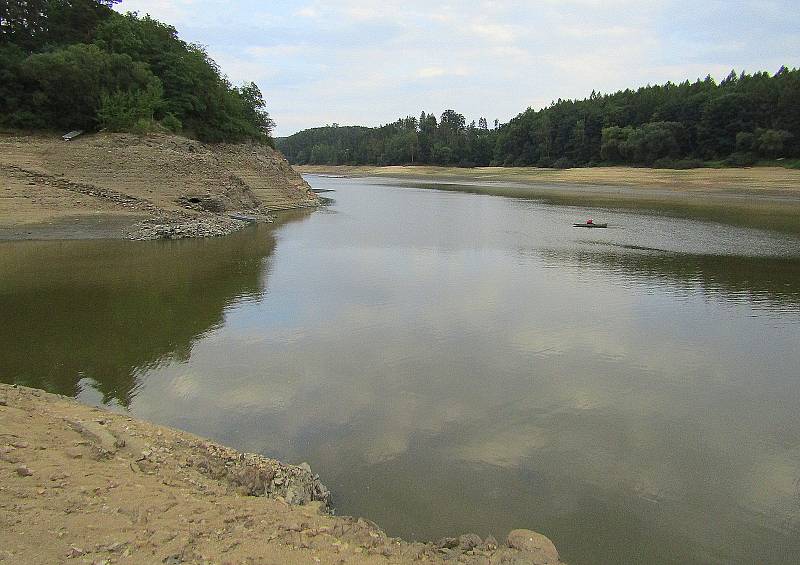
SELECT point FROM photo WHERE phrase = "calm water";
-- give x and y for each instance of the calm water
(456, 362)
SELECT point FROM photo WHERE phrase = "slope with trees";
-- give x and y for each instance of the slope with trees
(68, 64)
(738, 122)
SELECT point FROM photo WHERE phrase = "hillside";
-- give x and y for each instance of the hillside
(744, 120)
(141, 187)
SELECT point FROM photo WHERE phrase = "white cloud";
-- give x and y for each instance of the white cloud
(435, 72)
(307, 12)
(368, 63)
(496, 32)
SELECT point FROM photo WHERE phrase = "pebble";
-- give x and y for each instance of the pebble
(23, 471)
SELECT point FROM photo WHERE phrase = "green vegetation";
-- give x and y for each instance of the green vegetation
(67, 64)
(742, 121)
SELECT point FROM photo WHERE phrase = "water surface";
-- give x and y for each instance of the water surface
(456, 362)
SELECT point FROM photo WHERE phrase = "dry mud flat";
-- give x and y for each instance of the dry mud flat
(141, 187)
(84, 485)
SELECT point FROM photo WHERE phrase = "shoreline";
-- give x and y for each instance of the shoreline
(101, 487)
(762, 198)
(754, 180)
(121, 186)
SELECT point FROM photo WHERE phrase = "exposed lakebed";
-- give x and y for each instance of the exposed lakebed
(453, 362)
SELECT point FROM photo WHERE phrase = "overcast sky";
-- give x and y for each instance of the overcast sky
(356, 62)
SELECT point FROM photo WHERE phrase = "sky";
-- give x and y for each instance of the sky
(369, 63)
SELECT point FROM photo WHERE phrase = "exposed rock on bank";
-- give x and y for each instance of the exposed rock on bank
(164, 186)
(84, 485)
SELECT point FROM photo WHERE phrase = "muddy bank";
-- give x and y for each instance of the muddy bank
(85, 485)
(139, 187)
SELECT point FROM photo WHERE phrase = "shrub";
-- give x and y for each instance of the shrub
(667, 163)
(126, 110)
(172, 123)
(741, 159)
(563, 163)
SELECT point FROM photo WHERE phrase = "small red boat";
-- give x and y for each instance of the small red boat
(589, 224)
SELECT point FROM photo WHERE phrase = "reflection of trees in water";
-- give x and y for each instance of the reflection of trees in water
(773, 281)
(110, 310)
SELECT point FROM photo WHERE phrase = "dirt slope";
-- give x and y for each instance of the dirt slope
(84, 485)
(173, 186)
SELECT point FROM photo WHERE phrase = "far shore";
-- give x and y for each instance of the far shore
(760, 197)
(754, 180)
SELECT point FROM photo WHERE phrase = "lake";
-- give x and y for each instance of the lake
(453, 362)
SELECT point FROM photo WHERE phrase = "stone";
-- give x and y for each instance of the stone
(447, 543)
(467, 542)
(23, 471)
(540, 548)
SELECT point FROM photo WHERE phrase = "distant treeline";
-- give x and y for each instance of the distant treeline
(743, 119)
(67, 64)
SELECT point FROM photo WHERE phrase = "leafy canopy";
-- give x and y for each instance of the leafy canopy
(739, 121)
(79, 64)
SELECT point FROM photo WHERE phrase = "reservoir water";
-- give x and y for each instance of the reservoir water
(453, 362)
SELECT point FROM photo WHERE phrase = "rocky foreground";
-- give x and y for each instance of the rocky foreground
(140, 187)
(84, 485)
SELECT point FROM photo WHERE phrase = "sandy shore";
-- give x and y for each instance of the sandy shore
(84, 485)
(759, 180)
(763, 197)
(139, 187)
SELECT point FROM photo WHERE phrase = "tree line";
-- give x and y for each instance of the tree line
(78, 64)
(739, 121)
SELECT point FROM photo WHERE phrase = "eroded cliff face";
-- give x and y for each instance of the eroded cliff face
(150, 186)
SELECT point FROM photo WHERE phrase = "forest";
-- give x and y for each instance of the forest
(78, 64)
(741, 121)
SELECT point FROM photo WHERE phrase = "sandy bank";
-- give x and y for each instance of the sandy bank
(757, 180)
(142, 187)
(84, 485)
(762, 197)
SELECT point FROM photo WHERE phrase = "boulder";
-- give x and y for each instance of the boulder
(539, 548)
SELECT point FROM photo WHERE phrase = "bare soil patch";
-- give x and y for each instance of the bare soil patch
(157, 185)
(85, 485)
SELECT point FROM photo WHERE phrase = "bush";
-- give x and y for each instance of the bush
(172, 123)
(124, 111)
(741, 159)
(563, 163)
(680, 164)
(69, 87)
